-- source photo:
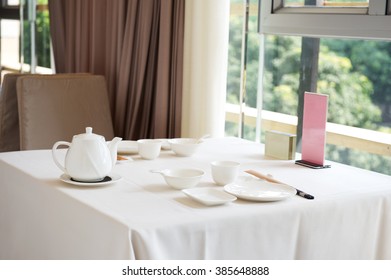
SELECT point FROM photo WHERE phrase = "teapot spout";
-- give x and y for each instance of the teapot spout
(113, 146)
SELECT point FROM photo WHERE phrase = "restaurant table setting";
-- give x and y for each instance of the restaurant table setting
(223, 200)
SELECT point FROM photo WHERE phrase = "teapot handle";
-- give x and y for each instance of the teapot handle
(54, 154)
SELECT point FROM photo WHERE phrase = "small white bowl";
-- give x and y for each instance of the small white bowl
(184, 147)
(149, 148)
(181, 178)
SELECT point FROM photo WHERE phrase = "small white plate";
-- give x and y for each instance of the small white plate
(260, 190)
(127, 147)
(67, 179)
(209, 196)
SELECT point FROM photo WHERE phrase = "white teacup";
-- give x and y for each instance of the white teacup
(149, 148)
(224, 172)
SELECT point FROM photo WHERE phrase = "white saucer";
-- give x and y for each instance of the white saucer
(127, 147)
(260, 190)
(67, 179)
(209, 196)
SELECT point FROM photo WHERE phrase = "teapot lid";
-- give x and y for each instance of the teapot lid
(88, 135)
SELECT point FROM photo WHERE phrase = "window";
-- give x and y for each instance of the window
(326, 6)
(10, 34)
(25, 45)
(325, 3)
(351, 22)
(243, 69)
(348, 55)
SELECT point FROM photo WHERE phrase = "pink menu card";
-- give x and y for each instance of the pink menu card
(314, 128)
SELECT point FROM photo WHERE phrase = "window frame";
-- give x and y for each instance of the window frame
(320, 22)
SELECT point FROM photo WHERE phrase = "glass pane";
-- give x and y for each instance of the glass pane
(329, 3)
(13, 2)
(354, 73)
(234, 63)
(251, 61)
(41, 33)
(10, 32)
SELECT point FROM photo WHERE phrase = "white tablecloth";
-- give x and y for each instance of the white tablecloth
(140, 217)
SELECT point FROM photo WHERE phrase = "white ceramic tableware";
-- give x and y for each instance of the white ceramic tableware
(184, 147)
(259, 190)
(88, 158)
(165, 144)
(209, 196)
(181, 178)
(224, 171)
(149, 148)
(111, 178)
(199, 140)
(128, 147)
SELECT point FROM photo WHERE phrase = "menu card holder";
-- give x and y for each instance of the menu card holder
(314, 130)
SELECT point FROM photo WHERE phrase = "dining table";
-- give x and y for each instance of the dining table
(138, 216)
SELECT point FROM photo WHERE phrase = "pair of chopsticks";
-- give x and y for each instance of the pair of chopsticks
(270, 179)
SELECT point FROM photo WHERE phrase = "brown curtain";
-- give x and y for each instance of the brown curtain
(138, 46)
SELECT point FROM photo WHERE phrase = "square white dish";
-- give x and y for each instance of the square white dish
(209, 196)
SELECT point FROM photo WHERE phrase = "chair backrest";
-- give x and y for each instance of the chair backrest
(9, 119)
(57, 107)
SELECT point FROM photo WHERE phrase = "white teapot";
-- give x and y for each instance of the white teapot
(89, 158)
